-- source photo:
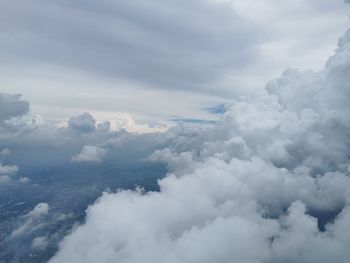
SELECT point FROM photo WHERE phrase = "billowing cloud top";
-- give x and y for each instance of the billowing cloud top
(82, 123)
(255, 188)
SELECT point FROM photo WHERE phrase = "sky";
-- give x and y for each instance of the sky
(174, 131)
(157, 60)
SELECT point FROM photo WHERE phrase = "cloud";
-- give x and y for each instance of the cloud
(4, 153)
(127, 123)
(38, 211)
(263, 180)
(12, 106)
(254, 188)
(40, 243)
(104, 56)
(84, 123)
(4, 178)
(169, 45)
(15, 117)
(32, 220)
(8, 169)
(175, 161)
(90, 154)
(24, 180)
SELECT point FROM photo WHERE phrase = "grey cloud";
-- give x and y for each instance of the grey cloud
(4, 153)
(8, 169)
(82, 123)
(163, 44)
(104, 126)
(12, 106)
(325, 5)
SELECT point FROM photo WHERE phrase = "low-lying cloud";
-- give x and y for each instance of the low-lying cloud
(31, 219)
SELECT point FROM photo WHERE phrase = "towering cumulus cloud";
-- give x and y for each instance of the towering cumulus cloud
(269, 183)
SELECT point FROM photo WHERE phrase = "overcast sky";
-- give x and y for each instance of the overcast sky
(157, 60)
(268, 182)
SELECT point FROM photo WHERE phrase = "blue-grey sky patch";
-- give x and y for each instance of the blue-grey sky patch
(218, 109)
(194, 121)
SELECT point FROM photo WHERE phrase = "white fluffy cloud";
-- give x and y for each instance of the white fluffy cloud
(90, 154)
(251, 189)
(127, 123)
(85, 123)
(6, 171)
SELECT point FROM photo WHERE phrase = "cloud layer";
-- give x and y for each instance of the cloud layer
(269, 183)
(172, 44)
(184, 56)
